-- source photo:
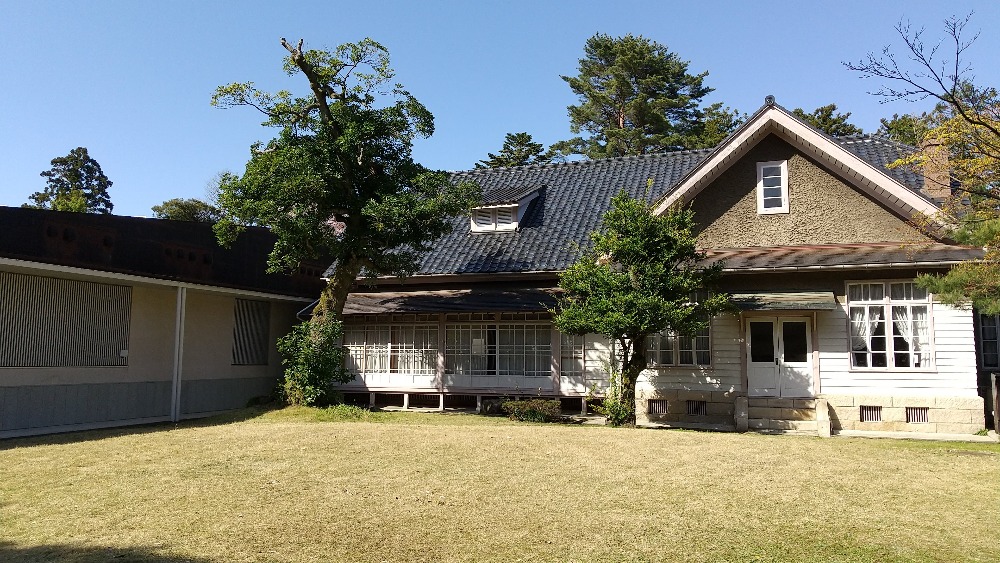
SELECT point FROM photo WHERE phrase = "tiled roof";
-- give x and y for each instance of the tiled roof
(880, 153)
(569, 207)
(573, 201)
(510, 194)
(842, 255)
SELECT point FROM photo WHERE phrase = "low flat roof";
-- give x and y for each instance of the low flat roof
(786, 301)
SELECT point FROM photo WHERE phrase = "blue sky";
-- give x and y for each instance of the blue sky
(131, 80)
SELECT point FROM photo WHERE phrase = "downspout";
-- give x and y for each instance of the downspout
(175, 401)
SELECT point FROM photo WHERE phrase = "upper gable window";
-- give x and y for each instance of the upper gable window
(772, 187)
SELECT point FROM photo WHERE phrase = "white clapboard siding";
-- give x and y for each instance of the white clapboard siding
(597, 353)
(953, 372)
(722, 375)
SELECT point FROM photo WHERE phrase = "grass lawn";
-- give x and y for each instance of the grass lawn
(303, 485)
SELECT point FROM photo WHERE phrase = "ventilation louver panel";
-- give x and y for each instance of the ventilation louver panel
(697, 408)
(871, 413)
(505, 217)
(483, 218)
(656, 406)
(51, 322)
(250, 331)
(916, 414)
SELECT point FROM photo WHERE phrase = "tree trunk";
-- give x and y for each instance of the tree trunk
(334, 296)
(633, 364)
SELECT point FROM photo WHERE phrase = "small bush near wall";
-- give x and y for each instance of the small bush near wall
(533, 410)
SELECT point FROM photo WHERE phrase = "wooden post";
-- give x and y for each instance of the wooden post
(441, 402)
(371, 400)
(406, 401)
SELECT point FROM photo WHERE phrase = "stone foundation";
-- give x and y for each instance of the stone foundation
(719, 407)
(947, 415)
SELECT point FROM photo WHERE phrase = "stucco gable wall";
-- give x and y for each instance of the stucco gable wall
(823, 209)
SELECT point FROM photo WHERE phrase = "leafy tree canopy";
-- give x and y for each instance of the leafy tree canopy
(962, 134)
(827, 120)
(518, 150)
(339, 180)
(637, 97)
(179, 209)
(74, 183)
(638, 279)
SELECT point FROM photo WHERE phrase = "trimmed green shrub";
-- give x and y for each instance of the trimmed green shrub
(533, 410)
(314, 361)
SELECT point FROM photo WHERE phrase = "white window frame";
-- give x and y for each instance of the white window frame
(494, 213)
(883, 306)
(667, 349)
(783, 208)
(492, 353)
(991, 322)
(386, 348)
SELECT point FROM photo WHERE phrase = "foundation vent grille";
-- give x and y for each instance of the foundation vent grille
(656, 406)
(916, 414)
(871, 413)
(697, 408)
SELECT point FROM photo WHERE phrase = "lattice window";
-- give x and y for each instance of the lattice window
(392, 348)
(250, 332)
(989, 338)
(51, 322)
(499, 349)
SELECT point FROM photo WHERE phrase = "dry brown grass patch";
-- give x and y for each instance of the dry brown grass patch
(448, 488)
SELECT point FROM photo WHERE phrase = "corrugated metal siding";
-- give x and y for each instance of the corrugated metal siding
(250, 332)
(49, 322)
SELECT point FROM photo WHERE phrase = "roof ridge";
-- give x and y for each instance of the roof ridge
(487, 170)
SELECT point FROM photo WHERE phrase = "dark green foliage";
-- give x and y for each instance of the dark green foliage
(74, 183)
(178, 209)
(637, 97)
(314, 362)
(639, 278)
(906, 129)
(828, 121)
(533, 410)
(518, 150)
(339, 180)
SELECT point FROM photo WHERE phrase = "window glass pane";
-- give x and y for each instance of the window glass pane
(877, 291)
(919, 293)
(761, 342)
(771, 171)
(855, 292)
(772, 192)
(793, 335)
(771, 182)
(771, 203)
(898, 291)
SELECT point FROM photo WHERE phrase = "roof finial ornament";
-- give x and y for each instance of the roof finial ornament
(769, 100)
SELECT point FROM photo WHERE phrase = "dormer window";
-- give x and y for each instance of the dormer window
(503, 212)
(772, 187)
(494, 218)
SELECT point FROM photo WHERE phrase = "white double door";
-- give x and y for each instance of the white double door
(779, 357)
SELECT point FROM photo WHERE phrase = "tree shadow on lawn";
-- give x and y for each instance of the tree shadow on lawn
(231, 417)
(87, 554)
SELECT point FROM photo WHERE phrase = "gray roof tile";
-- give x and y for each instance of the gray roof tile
(573, 197)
